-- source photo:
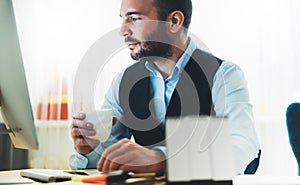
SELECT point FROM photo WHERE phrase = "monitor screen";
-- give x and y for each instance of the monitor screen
(14, 97)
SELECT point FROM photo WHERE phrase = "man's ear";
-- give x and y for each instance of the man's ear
(175, 20)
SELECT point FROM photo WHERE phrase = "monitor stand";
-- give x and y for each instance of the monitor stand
(11, 158)
(6, 148)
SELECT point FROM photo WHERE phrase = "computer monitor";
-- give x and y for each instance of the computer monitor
(14, 97)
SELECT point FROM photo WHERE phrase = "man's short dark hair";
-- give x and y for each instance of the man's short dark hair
(165, 7)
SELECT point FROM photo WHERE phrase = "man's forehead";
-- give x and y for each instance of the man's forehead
(136, 6)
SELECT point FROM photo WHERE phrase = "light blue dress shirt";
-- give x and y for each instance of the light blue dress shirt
(229, 79)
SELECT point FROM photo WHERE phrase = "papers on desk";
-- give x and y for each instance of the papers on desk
(15, 180)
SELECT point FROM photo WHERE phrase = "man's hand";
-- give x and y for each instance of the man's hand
(80, 130)
(128, 156)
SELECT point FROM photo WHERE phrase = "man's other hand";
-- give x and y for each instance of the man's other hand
(129, 156)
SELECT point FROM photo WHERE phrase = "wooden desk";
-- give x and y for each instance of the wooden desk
(239, 180)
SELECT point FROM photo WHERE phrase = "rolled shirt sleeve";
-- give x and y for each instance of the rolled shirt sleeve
(230, 97)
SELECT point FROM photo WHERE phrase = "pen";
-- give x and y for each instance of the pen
(115, 176)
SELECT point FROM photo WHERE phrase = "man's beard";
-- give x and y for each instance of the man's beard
(155, 46)
(151, 50)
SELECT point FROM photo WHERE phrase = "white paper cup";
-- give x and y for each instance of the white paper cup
(102, 121)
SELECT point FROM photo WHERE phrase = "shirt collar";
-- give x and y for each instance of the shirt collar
(183, 60)
(180, 65)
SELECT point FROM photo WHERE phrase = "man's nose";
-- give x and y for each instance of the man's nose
(125, 30)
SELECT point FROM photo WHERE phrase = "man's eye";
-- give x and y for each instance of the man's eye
(134, 19)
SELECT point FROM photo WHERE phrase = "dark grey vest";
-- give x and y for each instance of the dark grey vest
(192, 96)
